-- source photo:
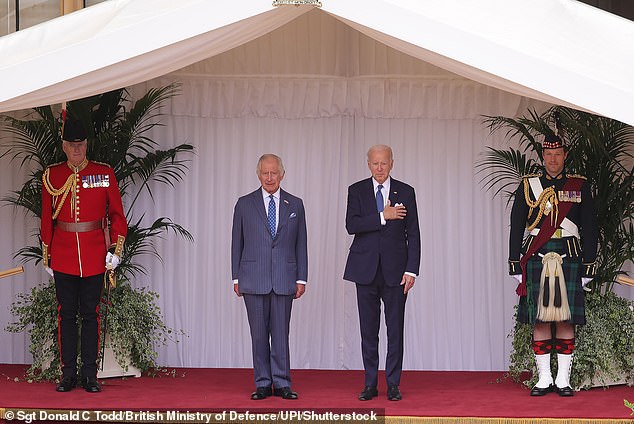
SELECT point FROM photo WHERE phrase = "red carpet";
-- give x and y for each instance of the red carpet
(425, 394)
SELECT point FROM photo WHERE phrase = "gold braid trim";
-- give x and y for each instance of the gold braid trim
(64, 190)
(548, 195)
(576, 176)
(45, 254)
(118, 250)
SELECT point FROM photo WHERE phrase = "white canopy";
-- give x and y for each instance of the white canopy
(559, 51)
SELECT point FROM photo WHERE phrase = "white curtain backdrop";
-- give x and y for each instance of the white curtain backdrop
(320, 106)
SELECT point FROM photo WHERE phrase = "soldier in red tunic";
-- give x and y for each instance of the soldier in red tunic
(81, 208)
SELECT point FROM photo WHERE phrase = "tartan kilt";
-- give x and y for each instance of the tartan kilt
(572, 267)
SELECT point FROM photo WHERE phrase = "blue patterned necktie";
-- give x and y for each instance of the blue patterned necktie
(272, 226)
(380, 204)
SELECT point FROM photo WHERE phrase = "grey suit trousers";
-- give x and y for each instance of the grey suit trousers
(270, 314)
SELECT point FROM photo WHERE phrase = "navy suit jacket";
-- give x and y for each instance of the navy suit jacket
(259, 262)
(396, 244)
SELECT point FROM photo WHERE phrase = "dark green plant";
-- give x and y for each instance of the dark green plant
(149, 330)
(116, 136)
(36, 313)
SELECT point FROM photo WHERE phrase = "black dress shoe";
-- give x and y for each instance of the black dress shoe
(261, 393)
(393, 393)
(539, 391)
(91, 385)
(368, 393)
(66, 384)
(285, 393)
(565, 391)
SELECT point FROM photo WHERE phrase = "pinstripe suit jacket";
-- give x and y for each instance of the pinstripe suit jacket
(260, 263)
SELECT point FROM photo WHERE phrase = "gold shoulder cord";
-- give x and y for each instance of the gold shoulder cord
(548, 195)
(64, 190)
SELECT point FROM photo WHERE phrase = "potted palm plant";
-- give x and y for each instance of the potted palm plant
(602, 150)
(117, 135)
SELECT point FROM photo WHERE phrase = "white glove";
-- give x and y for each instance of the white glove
(48, 270)
(112, 261)
(584, 283)
(518, 277)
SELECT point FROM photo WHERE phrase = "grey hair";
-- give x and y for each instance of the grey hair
(380, 148)
(269, 156)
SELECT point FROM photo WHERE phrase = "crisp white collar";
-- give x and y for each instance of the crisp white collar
(266, 194)
(386, 184)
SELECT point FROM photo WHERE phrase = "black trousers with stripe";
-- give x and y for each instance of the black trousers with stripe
(81, 295)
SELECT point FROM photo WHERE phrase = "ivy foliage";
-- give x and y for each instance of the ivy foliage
(604, 350)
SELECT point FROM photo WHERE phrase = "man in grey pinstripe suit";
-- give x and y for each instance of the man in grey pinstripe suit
(269, 267)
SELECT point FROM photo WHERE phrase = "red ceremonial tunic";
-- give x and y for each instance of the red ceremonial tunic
(96, 197)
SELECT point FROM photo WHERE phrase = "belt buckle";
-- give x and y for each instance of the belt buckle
(557, 233)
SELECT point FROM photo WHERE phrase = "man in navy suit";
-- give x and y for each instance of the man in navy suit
(269, 267)
(383, 262)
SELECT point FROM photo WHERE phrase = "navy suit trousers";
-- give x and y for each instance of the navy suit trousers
(369, 303)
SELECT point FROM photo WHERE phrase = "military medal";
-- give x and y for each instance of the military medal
(569, 196)
(94, 181)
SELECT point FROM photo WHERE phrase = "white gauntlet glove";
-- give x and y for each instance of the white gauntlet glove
(584, 283)
(48, 270)
(112, 261)
(518, 277)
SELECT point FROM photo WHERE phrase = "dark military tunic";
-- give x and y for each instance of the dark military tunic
(579, 254)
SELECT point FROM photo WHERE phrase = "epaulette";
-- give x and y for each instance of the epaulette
(102, 163)
(576, 176)
(538, 174)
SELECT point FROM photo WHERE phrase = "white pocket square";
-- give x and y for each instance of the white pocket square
(293, 215)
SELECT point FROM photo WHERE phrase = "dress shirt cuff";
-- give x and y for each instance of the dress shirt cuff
(411, 274)
(301, 282)
(383, 221)
(235, 281)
